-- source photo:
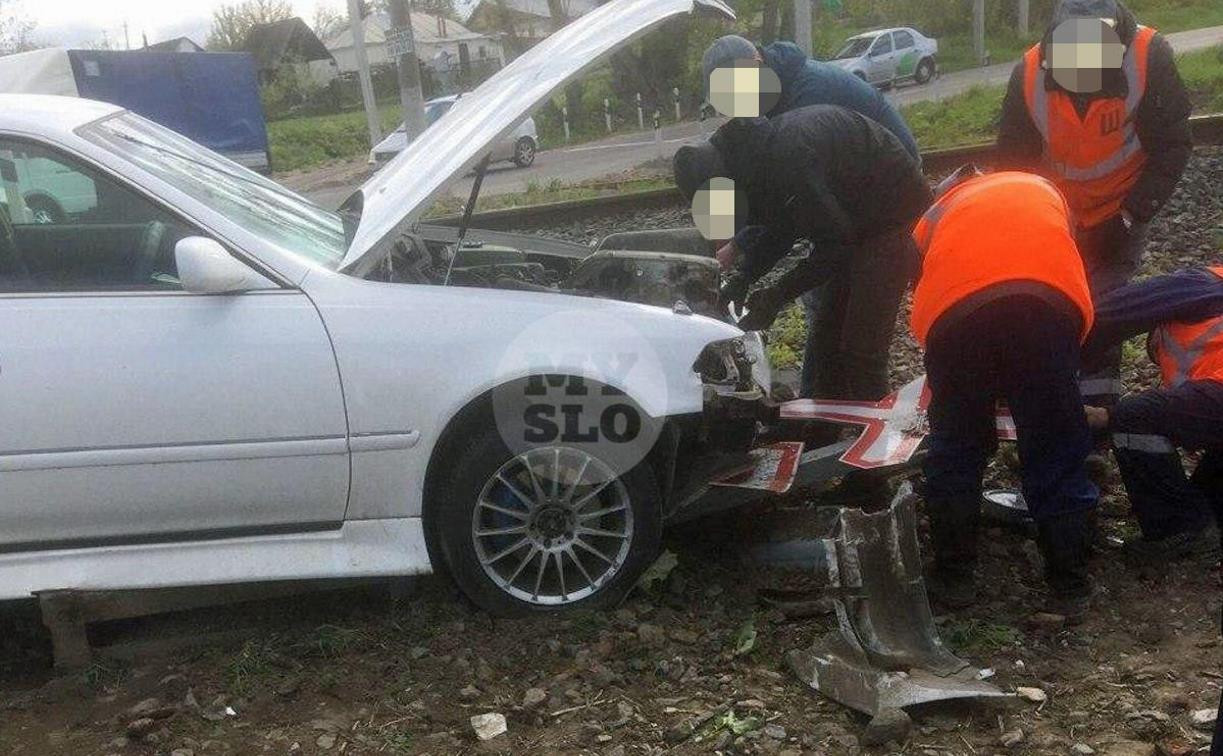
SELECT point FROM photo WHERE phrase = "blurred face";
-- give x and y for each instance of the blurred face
(745, 89)
(1081, 50)
(717, 209)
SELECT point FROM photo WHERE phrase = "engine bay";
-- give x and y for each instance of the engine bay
(495, 260)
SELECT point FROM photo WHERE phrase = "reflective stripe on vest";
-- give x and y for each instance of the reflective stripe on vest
(1134, 65)
(1178, 360)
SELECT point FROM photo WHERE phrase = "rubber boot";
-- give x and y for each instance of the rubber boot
(954, 526)
(1065, 544)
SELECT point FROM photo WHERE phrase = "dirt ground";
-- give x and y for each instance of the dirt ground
(402, 667)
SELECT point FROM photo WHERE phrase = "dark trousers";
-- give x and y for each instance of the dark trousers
(850, 326)
(1147, 428)
(1023, 350)
(1216, 744)
(1112, 257)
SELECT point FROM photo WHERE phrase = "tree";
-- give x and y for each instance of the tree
(16, 28)
(444, 8)
(328, 22)
(231, 23)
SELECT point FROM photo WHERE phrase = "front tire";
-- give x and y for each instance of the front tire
(925, 71)
(524, 152)
(547, 530)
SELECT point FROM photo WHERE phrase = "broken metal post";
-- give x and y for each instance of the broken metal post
(886, 652)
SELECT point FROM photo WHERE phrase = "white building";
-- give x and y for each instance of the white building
(441, 44)
(531, 19)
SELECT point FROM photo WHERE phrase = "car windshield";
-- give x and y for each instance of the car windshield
(855, 48)
(257, 204)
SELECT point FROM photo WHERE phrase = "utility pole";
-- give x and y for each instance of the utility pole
(978, 30)
(401, 45)
(367, 87)
(802, 25)
(1023, 17)
(127, 39)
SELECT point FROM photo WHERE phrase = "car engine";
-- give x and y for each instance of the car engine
(664, 279)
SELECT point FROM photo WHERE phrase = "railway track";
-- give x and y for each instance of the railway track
(1207, 131)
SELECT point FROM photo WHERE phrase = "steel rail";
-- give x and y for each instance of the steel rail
(1207, 131)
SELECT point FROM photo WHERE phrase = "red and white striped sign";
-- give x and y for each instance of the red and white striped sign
(893, 427)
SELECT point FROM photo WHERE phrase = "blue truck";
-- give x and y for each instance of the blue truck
(211, 98)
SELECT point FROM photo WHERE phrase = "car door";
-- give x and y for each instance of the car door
(131, 410)
(905, 54)
(879, 60)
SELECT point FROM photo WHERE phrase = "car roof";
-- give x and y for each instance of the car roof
(876, 32)
(50, 114)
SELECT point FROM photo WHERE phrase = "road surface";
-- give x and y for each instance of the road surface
(621, 153)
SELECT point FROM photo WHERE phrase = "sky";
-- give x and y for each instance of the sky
(78, 23)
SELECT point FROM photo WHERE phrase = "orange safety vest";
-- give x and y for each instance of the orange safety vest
(1190, 351)
(993, 229)
(1095, 160)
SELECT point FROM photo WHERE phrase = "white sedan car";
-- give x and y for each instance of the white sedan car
(205, 378)
(890, 56)
(518, 147)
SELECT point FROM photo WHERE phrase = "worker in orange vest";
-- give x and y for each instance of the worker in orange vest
(1183, 312)
(1001, 308)
(1099, 108)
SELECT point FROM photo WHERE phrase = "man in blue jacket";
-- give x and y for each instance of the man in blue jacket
(1183, 312)
(804, 82)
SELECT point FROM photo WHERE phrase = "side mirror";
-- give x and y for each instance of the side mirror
(204, 267)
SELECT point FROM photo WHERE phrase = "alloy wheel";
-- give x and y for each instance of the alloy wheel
(552, 526)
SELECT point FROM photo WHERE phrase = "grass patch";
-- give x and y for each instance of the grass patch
(1178, 15)
(978, 636)
(305, 142)
(787, 338)
(105, 674)
(1202, 73)
(966, 118)
(251, 666)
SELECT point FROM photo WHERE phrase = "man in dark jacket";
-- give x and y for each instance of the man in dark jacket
(805, 81)
(847, 185)
(1183, 311)
(1114, 139)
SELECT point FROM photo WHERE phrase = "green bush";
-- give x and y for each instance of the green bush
(297, 143)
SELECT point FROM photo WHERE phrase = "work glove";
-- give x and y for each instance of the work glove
(763, 306)
(734, 291)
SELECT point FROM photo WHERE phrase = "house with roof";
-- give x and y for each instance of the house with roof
(178, 44)
(289, 42)
(526, 21)
(449, 52)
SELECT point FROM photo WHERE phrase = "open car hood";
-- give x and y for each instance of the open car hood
(397, 195)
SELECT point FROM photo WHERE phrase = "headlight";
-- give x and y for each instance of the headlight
(726, 363)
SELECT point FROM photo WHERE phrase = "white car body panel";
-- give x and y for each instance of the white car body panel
(233, 403)
(159, 438)
(471, 329)
(397, 195)
(357, 549)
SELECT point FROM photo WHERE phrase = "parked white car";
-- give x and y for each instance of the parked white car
(518, 147)
(890, 56)
(208, 379)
